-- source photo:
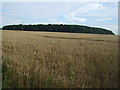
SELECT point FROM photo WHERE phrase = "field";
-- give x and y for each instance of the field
(59, 60)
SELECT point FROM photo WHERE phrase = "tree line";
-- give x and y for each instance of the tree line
(58, 28)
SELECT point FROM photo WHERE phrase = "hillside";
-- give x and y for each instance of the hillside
(59, 28)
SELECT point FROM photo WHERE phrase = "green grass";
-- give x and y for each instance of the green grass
(5, 83)
(49, 81)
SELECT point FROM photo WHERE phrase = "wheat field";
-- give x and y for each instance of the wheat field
(59, 60)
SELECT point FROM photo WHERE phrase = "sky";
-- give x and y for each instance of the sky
(96, 14)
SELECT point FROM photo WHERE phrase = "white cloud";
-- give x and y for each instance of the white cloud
(35, 10)
(79, 20)
(88, 7)
(89, 11)
(75, 15)
(72, 17)
(103, 19)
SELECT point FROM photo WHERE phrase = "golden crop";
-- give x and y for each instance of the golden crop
(59, 60)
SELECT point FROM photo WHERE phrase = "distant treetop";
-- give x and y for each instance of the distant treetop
(59, 28)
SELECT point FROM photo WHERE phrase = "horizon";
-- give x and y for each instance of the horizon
(54, 24)
(61, 25)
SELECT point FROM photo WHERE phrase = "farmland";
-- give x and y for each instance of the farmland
(59, 60)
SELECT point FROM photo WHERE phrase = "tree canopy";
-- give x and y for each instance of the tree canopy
(58, 28)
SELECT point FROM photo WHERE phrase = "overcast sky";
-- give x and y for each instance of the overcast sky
(98, 14)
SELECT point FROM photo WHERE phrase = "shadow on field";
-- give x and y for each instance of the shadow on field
(77, 38)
